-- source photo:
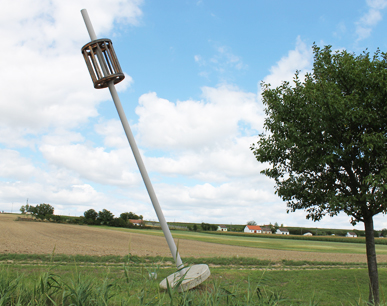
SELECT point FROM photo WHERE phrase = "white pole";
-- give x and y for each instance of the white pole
(89, 26)
(140, 163)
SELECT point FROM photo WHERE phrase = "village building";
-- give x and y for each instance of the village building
(136, 222)
(222, 228)
(282, 231)
(266, 230)
(256, 229)
(351, 234)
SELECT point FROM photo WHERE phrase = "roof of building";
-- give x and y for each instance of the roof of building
(283, 229)
(266, 229)
(254, 227)
(135, 221)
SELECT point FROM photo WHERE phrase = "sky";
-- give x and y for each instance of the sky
(191, 95)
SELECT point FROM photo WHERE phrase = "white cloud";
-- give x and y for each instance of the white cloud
(94, 164)
(47, 84)
(298, 59)
(377, 4)
(189, 125)
(113, 133)
(14, 166)
(370, 19)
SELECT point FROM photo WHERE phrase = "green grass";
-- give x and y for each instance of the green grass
(233, 281)
(267, 243)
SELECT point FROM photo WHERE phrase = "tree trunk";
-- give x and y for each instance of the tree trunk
(371, 261)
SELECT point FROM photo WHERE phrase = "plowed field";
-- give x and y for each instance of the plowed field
(42, 237)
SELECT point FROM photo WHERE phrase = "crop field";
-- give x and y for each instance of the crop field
(112, 266)
(22, 237)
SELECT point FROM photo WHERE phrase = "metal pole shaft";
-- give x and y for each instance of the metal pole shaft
(145, 177)
(88, 24)
(137, 156)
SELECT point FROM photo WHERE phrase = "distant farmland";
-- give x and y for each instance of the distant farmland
(43, 237)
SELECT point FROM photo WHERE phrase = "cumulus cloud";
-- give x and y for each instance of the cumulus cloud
(113, 133)
(45, 93)
(300, 58)
(94, 164)
(193, 124)
(370, 19)
(47, 84)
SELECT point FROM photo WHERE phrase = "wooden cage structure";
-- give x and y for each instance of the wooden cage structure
(102, 62)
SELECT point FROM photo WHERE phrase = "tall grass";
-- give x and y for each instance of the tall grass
(132, 282)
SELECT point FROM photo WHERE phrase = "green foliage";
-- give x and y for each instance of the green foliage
(58, 219)
(329, 134)
(327, 141)
(42, 211)
(209, 227)
(119, 222)
(130, 215)
(105, 217)
(23, 209)
(91, 216)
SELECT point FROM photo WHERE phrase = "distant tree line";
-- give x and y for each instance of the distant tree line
(91, 217)
(41, 211)
(105, 217)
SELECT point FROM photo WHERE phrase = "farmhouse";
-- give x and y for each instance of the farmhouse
(351, 234)
(222, 228)
(136, 222)
(253, 229)
(266, 230)
(282, 231)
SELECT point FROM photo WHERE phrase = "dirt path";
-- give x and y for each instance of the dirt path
(42, 237)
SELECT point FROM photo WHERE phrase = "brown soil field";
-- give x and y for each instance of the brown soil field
(25, 237)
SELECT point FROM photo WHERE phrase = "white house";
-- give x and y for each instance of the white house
(266, 230)
(351, 234)
(136, 222)
(253, 229)
(282, 231)
(222, 228)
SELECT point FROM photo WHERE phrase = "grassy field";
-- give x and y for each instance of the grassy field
(268, 243)
(113, 278)
(125, 281)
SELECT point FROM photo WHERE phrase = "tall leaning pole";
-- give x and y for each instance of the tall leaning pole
(105, 71)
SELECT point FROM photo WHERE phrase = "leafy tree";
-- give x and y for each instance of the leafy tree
(327, 141)
(252, 222)
(91, 216)
(23, 209)
(130, 215)
(105, 217)
(208, 227)
(43, 211)
(119, 222)
(195, 227)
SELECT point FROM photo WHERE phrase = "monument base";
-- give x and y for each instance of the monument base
(192, 277)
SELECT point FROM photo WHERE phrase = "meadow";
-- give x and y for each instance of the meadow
(272, 242)
(114, 280)
(70, 265)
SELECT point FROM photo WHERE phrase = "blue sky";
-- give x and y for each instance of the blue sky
(191, 94)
